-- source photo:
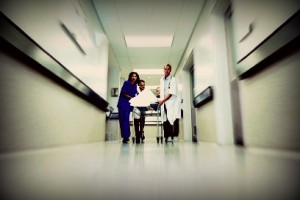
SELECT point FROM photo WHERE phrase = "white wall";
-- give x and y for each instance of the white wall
(186, 129)
(214, 123)
(269, 97)
(36, 112)
(270, 105)
(222, 87)
(265, 16)
(183, 71)
(113, 82)
(41, 21)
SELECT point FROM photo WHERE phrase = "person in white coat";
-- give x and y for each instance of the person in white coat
(168, 102)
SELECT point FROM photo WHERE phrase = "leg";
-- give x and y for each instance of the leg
(168, 130)
(142, 125)
(176, 128)
(121, 121)
(136, 127)
(137, 130)
(127, 125)
(124, 124)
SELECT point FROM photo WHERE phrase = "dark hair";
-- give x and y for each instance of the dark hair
(168, 65)
(141, 81)
(137, 76)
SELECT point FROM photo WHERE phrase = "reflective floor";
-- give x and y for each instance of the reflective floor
(112, 170)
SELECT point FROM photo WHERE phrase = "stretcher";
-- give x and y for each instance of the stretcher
(160, 133)
(137, 114)
(144, 100)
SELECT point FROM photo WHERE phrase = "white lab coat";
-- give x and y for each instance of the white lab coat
(172, 104)
(178, 107)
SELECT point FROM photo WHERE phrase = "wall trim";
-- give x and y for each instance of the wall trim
(17, 43)
(285, 34)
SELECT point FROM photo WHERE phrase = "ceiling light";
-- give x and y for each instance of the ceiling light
(149, 71)
(141, 41)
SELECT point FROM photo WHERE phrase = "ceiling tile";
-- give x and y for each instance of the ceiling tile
(147, 18)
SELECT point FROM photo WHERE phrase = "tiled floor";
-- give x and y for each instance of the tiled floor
(182, 170)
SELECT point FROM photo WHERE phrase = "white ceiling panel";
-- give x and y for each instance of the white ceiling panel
(148, 62)
(121, 18)
(148, 52)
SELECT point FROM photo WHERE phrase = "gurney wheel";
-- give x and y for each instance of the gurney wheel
(157, 140)
(161, 139)
(133, 139)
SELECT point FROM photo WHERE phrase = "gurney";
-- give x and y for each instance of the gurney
(138, 113)
(160, 136)
(146, 99)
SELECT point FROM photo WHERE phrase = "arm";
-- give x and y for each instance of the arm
(172, 91)
(165, 99)
(124, 90)
(126, 96)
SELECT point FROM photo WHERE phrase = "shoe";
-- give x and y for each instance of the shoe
(138, 140)
(143, 138)
(169, 139)
(125, 141)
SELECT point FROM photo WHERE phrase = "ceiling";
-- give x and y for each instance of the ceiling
(120, 18)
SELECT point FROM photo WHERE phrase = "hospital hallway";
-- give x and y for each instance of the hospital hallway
(222, 75)
(183, 170)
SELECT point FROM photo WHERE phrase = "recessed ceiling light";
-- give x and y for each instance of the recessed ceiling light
(149, 41)
(149, 71)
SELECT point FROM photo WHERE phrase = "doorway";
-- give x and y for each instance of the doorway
(193, 110)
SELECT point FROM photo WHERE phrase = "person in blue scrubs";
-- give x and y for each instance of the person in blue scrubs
(128, 91)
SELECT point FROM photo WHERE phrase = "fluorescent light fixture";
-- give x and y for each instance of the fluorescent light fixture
(149, 71)
(150, 41)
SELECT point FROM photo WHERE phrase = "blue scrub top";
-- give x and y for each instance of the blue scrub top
(129, 89)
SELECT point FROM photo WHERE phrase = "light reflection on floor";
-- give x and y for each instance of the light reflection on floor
(112, 170)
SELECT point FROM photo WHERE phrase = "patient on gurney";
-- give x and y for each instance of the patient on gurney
(141, 103)
(139, 123)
